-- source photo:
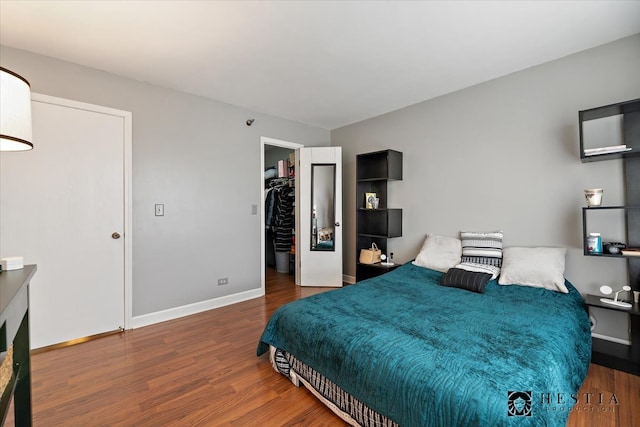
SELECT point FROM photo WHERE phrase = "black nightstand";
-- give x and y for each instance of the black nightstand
(367, 271)
(614, 355)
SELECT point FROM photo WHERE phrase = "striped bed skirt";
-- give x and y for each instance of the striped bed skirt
(347, 407)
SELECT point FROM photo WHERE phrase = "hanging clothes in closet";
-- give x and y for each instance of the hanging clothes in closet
(269, 203)
(283, 218)
(279, 217)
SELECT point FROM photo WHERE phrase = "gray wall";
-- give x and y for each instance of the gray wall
(502, 155)
(197, 157)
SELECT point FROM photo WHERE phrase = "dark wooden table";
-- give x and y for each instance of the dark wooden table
(14, 332)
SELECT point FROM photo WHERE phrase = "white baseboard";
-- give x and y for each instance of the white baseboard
(348, 279)
(198, 307)
(612, 339)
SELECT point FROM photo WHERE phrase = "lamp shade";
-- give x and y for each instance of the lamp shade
(15, 112)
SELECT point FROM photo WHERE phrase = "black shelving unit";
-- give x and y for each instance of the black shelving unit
(585, 228)
(614, 355)
(630, 111)
(373, 172)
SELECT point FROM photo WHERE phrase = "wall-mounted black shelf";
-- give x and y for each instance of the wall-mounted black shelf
(616, 355)
(603, 255)
(380, 222)
(594, 301)
(585, 213)
(629, 132)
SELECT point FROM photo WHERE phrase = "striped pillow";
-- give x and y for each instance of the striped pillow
(481, 252)
(483, 245)
(480, 268)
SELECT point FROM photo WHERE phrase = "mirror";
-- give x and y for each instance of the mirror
(323, 193)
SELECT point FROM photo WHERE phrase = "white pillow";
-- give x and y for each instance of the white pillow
(537, 267)
(439, 253)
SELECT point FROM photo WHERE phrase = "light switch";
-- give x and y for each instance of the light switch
(254, 209)
(159, 209)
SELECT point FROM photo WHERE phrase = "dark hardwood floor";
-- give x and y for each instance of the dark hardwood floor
(203, 370)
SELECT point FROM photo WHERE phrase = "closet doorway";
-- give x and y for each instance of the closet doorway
(277, 186)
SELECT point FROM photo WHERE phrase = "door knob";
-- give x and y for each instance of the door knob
(115, 235)
(337, 224)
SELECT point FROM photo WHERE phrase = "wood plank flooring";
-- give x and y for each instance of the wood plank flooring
(202, 370)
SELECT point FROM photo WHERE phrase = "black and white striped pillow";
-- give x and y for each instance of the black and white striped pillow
(481, 252)
(480, 268)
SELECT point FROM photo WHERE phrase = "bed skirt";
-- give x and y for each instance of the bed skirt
(347, 407)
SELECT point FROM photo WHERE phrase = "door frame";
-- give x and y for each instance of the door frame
(278, 143)
(127, 172)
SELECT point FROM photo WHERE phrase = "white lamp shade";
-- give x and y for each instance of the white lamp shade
(15, 112)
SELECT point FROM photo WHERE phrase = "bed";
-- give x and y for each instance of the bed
(400, 349)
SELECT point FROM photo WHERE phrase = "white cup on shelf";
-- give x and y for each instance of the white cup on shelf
(593, 196)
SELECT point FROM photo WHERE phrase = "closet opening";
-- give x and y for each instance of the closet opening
(278, 211)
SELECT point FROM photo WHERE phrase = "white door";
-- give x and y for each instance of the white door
(63, 208)
(319, 216)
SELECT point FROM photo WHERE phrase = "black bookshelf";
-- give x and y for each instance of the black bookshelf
(614, 355)
(373, 173)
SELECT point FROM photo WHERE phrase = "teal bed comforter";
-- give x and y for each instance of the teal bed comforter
(428, 355)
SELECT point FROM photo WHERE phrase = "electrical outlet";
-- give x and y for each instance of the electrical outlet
(159, 209)
(223, 281)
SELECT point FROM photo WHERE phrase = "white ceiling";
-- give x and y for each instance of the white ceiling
(324, 63)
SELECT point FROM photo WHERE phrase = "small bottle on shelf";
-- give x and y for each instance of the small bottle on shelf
(594, 243)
